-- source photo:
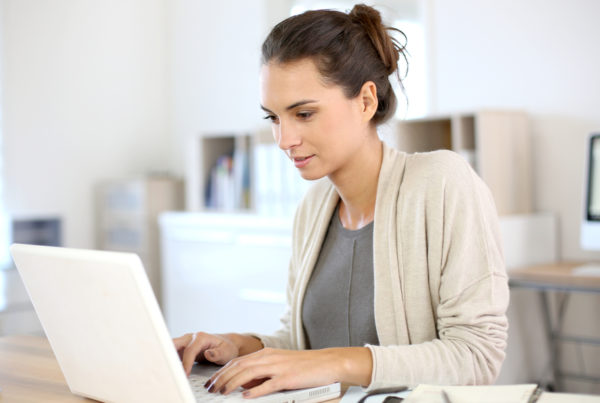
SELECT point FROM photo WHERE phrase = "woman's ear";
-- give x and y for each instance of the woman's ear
(368, 100)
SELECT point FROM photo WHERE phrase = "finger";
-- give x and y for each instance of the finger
(254, 382)
(222, 377)
(269, 386)
(194, 349)
(182, 341)
(220, 354)
(215, 355)
(246, 376)
(233, 367)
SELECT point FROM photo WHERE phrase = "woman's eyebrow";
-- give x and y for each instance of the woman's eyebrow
(292, 106)
(300, 103)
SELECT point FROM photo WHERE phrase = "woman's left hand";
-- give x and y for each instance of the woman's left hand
(272, 370)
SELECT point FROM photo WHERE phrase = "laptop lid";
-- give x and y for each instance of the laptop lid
(103, 324)
(106, 329)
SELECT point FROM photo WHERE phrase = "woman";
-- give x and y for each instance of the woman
(396, 275)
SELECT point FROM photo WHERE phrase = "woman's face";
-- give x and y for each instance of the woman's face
(314, 123)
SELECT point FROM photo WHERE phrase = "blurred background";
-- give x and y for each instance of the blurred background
(114, 112)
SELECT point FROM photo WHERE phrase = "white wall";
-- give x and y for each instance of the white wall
(541, 56)
(215, 65)
(85, 98)
(538, 55)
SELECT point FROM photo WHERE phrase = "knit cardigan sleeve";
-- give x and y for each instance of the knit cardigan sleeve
(453, 282)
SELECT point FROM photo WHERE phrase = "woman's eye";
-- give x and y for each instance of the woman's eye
(272, 118)
(304, 115)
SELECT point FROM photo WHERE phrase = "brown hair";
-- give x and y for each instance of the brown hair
(348, 49)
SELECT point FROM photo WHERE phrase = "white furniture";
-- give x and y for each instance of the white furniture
(17, 315)
(529, 239)
(127, 217)
(224, 272)
(495, 142)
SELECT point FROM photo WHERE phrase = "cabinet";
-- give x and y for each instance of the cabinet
(495, 142)
(17, 315)
(224, 272)
(127, 218)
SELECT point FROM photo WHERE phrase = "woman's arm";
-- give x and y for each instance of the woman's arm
(469, 350)
(453, 284)
(288, 369)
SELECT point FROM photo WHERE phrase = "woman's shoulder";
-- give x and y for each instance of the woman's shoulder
(439, 165)
(446, 160)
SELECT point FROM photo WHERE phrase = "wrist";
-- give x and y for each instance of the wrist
(245, 344)
(355, 365)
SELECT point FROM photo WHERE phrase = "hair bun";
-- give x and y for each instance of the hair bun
(387, 47)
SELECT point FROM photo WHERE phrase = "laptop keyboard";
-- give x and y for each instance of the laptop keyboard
(197, 382)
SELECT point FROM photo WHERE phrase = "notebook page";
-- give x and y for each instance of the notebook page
(472, 394)
(567, 397)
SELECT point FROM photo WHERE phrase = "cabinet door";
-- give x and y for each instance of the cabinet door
(225, 279)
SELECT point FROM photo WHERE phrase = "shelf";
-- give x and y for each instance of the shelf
(495, 142)
(257, 176)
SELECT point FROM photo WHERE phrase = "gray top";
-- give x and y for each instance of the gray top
(338, 308)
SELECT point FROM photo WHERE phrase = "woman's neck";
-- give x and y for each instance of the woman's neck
(357, 185)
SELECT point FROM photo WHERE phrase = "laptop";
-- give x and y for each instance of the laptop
(107, 332)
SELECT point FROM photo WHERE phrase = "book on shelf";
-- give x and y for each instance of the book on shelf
(251, 176)
(228, 186)
(279, 186)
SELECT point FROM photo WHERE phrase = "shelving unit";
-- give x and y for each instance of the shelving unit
(127, 218)
(205, 152)
(262, 179)
(495, 142)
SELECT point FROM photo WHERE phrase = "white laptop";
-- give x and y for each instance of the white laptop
(108, 335)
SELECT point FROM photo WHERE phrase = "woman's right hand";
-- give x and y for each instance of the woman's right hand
(215, 348)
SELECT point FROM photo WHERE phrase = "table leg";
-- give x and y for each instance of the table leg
(552, 341)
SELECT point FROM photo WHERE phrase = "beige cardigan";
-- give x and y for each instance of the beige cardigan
(441, 289)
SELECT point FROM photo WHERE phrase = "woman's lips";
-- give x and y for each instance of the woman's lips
(301, 162)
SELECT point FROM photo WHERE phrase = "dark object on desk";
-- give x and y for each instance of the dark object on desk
(384, 391)
(446, 397)
(392, 399)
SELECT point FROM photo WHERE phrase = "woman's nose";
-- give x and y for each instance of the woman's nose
(286, 136)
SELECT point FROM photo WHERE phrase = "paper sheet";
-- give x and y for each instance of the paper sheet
(567, 397)
(472, 394)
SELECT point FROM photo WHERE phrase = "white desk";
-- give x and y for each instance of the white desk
(557, 277)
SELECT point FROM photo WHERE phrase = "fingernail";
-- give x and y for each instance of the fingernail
(211, 353)
(246, 393)
(206, 384)
(211, 387)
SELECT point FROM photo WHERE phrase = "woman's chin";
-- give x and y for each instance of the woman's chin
(310, 176)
